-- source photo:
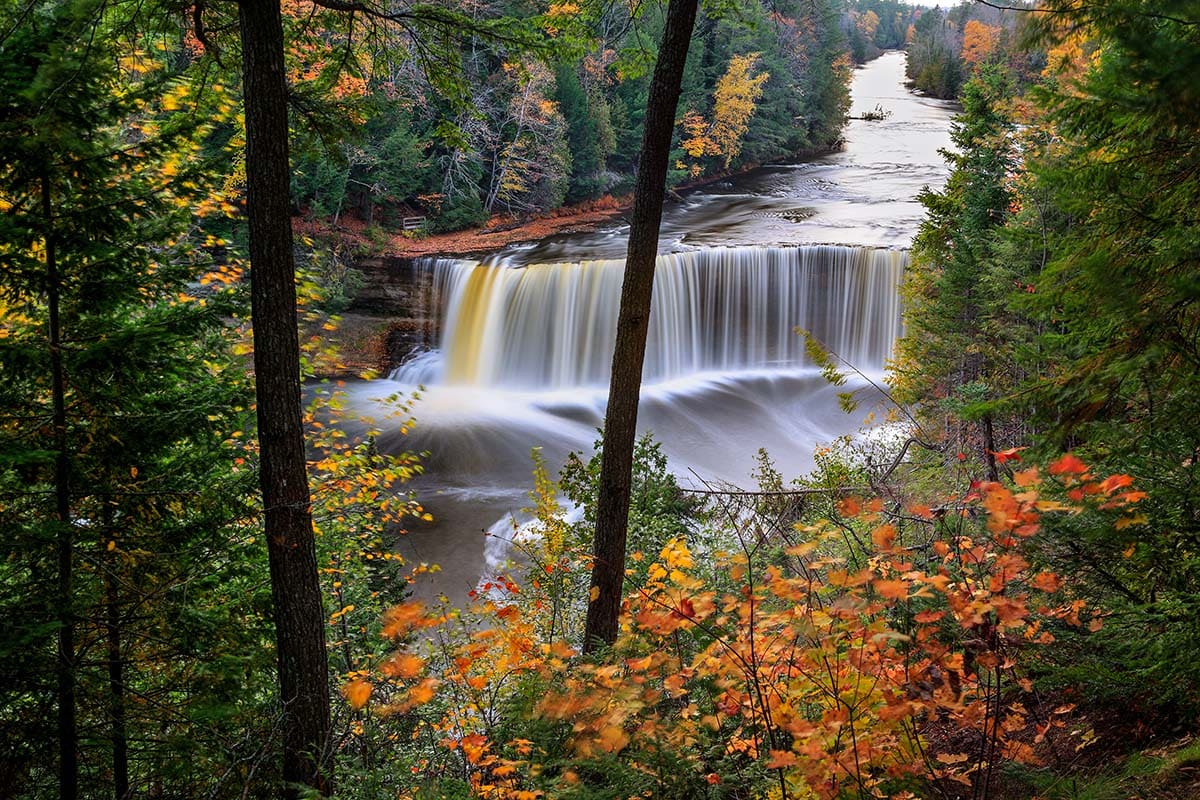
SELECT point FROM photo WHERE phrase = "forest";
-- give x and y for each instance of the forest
(840, 442)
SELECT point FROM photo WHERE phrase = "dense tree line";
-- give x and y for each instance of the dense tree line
(531, 132)
(133, 612)
(873, 26)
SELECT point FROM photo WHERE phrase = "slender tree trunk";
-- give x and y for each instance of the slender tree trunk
(620, 419)
(989, 449)
(295, 590)
(68, 732)
(116, 664)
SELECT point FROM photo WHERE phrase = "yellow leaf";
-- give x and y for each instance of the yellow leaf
(612, 739)
(593, 594)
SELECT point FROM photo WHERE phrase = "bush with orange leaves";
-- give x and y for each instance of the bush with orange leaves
(805, 674)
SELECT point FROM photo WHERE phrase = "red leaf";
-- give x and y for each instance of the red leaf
(1068, 464)
(686, 609)
(1011, 454)
(1114, 482)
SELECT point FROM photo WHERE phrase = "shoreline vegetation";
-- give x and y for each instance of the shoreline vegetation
(505, 230)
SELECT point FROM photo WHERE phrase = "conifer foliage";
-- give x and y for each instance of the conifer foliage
(129, 612)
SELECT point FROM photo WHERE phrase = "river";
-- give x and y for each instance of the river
(526, 334)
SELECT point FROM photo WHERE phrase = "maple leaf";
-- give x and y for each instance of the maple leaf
(884, 536)
(686, 608)
(403, 665)
(1047, 582)
(1114, 482)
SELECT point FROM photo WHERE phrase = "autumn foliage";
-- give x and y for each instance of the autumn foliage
(802, 668)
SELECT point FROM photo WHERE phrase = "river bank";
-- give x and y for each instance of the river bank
(500, 232)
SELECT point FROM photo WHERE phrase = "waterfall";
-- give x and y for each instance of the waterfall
(552, 326)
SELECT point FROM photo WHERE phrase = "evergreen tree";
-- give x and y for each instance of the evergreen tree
(953, 357)
(124, 575)
(1115, 217)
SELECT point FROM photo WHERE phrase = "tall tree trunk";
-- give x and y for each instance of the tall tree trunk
(295, 589)
(68, 731)
(111, 562)
(620, 419)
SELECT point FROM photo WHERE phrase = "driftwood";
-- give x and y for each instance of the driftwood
(875, 115)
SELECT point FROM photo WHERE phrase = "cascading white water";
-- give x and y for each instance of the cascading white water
(552, 326)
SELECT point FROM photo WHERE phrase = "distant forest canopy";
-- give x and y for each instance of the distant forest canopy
(947, 46)
(764, 81)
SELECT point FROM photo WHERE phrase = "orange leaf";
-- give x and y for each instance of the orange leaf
(403, 665)
(400, 619)
(849, 507)
(1047, 582)
(1114, 482)
(952, 758)
(1026, 477)
(357, 693)
(781, 759)
(1011, 454)
(612, 739)
(892, 590)
(884, 536)
(423, 692)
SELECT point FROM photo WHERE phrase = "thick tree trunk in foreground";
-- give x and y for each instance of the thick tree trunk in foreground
(620, 419)
(295, 590)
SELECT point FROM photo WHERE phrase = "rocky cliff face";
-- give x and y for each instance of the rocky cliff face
(390, 318)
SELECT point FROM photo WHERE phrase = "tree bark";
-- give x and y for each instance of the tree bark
(620, 419)
(295, 589)
(116, 663)
(989, 449)
(68, 728)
